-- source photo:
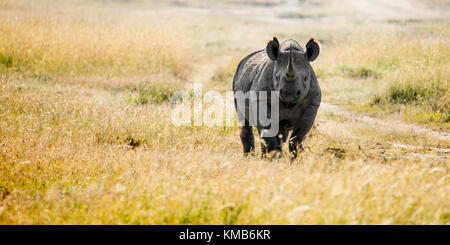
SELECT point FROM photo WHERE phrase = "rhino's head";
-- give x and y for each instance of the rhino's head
(292, 74)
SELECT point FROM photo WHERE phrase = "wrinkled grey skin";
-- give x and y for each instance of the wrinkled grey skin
(299, 98)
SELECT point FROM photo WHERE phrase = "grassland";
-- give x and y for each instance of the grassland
(86, 138)
(408, 75)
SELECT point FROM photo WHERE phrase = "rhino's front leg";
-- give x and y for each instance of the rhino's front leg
(301, 128)
(270, 147)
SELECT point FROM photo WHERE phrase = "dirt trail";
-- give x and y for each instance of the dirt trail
(398, 125)
(330, 126)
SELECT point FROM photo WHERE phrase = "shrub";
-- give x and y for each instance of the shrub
(152, 93)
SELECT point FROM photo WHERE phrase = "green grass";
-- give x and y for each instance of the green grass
(356, 72)
(150, 93)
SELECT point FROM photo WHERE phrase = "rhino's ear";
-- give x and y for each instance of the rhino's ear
(312, 50)
(273, 48)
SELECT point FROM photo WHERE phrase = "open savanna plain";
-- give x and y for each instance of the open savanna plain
(85, 113)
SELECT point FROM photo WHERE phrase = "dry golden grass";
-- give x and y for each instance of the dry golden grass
(67, 158)
(75, 148)
(94, 43)
(397, 73)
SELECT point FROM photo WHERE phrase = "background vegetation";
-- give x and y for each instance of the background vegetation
(86, 138)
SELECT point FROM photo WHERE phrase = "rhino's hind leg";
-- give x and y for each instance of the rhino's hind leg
(247, 139)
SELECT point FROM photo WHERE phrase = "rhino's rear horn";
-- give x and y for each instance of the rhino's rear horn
(290, 71)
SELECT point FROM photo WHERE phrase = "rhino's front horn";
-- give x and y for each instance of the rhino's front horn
(290, 72)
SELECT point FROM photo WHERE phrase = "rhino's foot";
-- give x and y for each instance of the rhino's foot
(273, 154)
(249, 153)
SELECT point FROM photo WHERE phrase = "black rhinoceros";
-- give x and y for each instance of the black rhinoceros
(284, 69)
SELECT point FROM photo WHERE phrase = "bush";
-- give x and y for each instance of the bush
(357, 72)
(152, 93)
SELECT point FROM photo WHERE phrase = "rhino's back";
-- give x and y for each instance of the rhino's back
(249, 69)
